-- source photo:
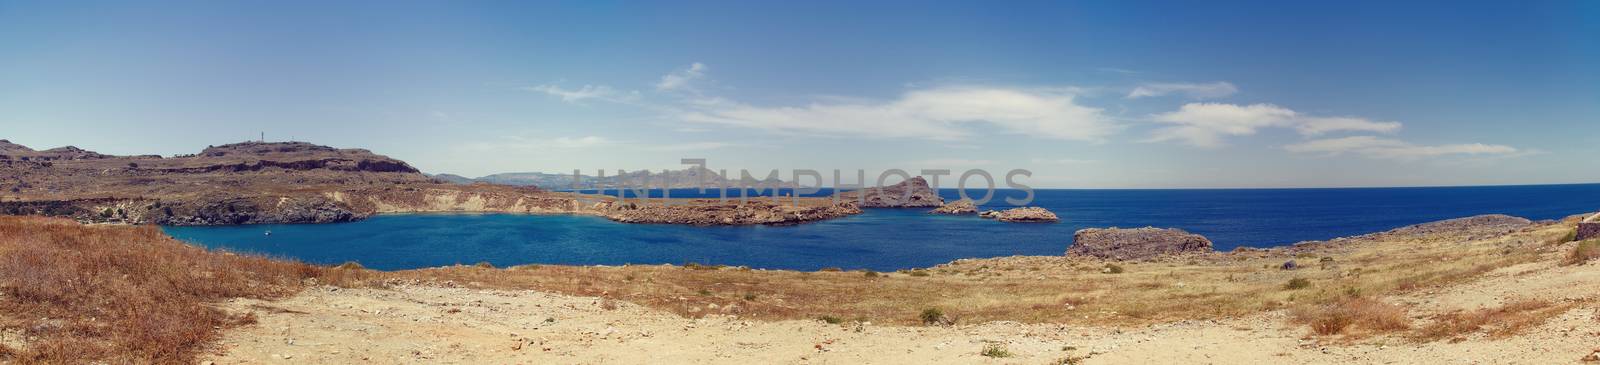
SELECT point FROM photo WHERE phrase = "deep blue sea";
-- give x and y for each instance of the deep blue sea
(888, 239)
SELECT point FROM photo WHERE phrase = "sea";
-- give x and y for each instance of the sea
(886, 239)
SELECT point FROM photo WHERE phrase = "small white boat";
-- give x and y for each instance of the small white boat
(268, 233)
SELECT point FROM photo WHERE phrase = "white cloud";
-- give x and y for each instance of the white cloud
(581, 94)
(1205, 124)
(1381, 148)
(1197, 91)
(680, 80)
(937, 114)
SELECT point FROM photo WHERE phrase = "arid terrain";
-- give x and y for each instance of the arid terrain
(1489, 289)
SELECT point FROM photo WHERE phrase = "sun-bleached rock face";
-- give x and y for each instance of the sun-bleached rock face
(1135, 244)
(959, 207)
(1027, 215)
(912, 193)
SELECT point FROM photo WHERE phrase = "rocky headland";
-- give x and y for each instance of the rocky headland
(912, 193)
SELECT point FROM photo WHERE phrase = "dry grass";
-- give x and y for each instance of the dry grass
(1029, 289)
(1504, 321)
(118, 294)
(1355, 315)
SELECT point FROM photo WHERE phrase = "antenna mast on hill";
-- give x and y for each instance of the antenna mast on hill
(263, 137)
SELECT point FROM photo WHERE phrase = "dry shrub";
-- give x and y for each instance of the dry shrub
(1504, 321)
(1369, 315)
(120, 294)
(1586, 250)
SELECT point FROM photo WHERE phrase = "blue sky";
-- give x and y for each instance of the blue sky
(1084, 94)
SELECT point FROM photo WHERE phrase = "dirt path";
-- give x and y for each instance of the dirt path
(421, 324)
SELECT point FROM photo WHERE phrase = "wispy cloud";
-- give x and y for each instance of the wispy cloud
(693, 146)
(1062, 161)
(1312, 126)
(937, 114)
(1382, 148)
(682, 79)
(1197, 91)
(579, 95)
(951, 162)
(524, 143)
(1206, 124)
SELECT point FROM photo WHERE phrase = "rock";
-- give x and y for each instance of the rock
(1027, 215)
(1589, 228)
(959, 207)
(913, 193)
(989, 214)
(1289, 265)
(1135, 244)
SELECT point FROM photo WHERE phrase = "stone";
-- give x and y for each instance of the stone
(1136, 244)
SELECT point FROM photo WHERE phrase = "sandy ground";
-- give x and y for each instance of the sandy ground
(425, 324)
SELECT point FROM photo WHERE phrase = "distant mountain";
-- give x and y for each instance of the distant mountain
(687, 178)
(452, 178)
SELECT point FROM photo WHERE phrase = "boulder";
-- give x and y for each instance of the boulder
(1135, 244)
(959, 207)
(1027, 215)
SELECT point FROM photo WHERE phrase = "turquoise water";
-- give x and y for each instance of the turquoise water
(887, 239)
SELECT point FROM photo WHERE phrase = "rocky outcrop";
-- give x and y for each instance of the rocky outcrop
(1589, 228)
(1027, 215)
(1474, 226)
(959, 207)
(912, 193)
(709, 212)
(1135, 244)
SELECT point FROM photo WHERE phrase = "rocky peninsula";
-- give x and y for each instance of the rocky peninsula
(297, 182)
